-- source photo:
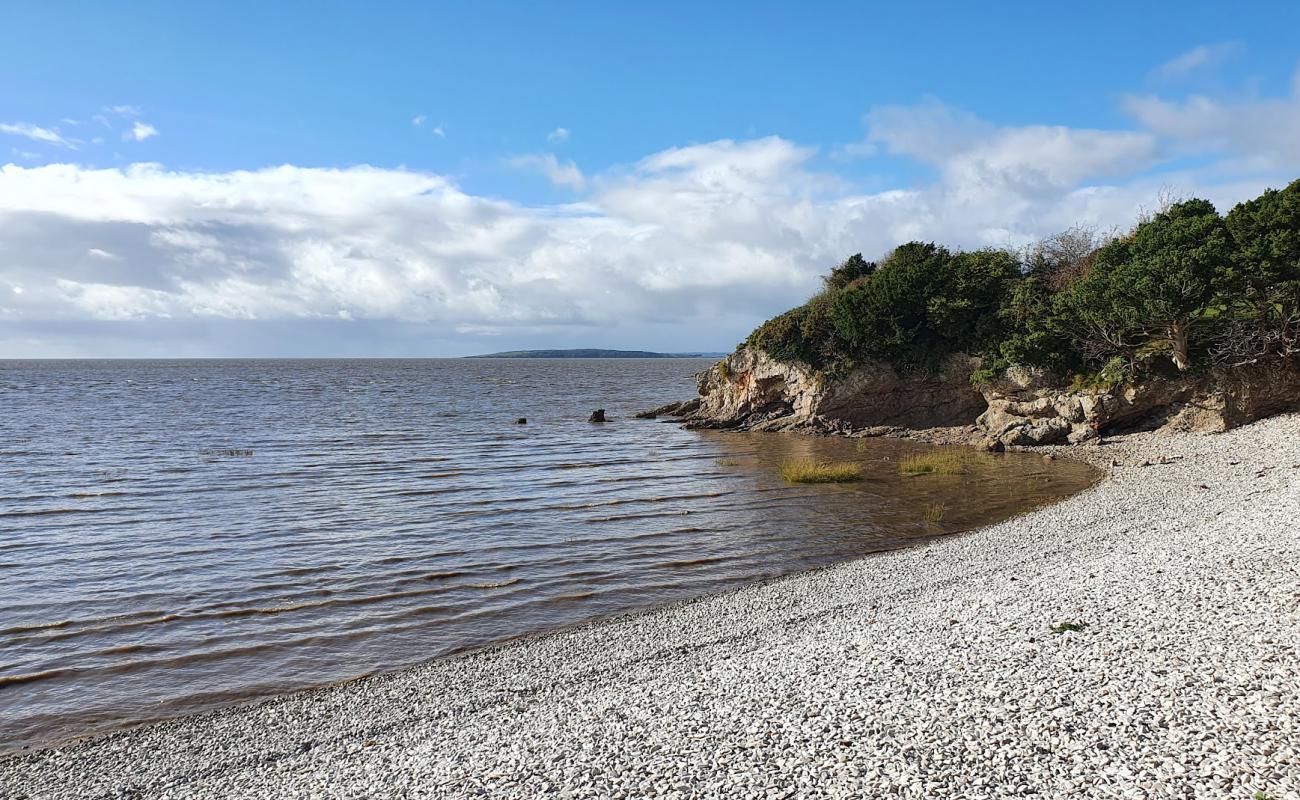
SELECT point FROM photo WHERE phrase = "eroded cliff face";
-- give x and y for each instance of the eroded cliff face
(1029, 408)
(750, 390)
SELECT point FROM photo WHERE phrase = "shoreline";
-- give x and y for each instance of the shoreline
(882, 674)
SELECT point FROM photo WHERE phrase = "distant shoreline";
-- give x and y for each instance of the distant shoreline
(593, 353)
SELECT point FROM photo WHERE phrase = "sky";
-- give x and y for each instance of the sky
(319, 179)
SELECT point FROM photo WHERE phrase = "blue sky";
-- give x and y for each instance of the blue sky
(418, 179)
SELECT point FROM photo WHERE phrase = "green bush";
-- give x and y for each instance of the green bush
(1185, 288)
(1157, 286)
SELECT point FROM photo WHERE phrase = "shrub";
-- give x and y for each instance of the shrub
(810, 471)
(1185, 288)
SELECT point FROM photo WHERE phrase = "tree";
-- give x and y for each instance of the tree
(1150, 289)
(923, 303)
(1266, 232)
(885, 316)
(1065, 257)
(852, 268)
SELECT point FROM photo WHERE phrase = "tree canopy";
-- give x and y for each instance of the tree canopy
(1185, 287)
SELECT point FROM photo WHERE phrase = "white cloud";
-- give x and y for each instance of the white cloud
(1198, 57)
(36, 133)
(419, 122)
(973, 153)
(703, 240)
(140, 131)
(123, 110)
(560, 173)
(558, 135)
(1255, 132)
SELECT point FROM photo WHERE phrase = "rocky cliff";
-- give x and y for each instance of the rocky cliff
(749, 390)
(1029, 408)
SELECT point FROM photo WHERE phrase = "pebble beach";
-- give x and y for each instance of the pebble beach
(1139, 640)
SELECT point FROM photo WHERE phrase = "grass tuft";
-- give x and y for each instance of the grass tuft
(943, 462)
(1073, 627)
(808, 471)
(935, 512)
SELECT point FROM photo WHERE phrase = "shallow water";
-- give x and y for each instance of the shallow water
(179, 535)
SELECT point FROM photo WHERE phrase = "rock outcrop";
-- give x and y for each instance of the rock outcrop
(1030, 408)
(749, 390)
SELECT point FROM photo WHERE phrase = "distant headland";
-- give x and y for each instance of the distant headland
(591, 353)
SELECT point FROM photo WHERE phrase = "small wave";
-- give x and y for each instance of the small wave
(690, 562)
(48, 512)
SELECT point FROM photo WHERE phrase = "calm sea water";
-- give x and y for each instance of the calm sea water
(179, 535)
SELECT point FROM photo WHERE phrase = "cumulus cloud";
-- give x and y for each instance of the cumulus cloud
(698, 242)
(558, 135)
(140, 131)
(1254, 131)
(973, 153)
(36, 133)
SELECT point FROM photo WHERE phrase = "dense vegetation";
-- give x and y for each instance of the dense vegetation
(1185, 289)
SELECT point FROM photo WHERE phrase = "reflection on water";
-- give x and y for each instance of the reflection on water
(177, 535)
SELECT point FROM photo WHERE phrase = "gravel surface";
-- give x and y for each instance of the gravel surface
(930, 672)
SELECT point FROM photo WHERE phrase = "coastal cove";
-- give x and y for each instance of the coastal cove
(929, 671)
(188, 535)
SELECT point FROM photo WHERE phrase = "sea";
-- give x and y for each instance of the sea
(178, 536)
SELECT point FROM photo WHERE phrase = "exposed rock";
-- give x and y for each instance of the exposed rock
(752, 391)
(749, 390)
(597, 416)
(678, 409)
(1030, 408)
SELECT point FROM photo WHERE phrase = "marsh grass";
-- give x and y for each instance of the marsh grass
(935, 512)
(941, 462)
(806, 470)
